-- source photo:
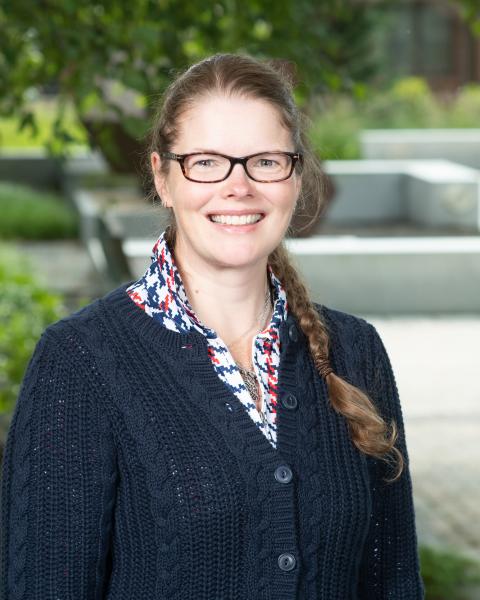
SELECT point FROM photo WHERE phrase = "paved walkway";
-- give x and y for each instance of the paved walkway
(63, 266)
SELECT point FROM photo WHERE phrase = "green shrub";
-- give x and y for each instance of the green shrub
(25, 311)
(334, 132)
(465, 111)
(29, 214)
(409, 103)
(448, 575)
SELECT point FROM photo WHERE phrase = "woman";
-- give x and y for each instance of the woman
(208, 432)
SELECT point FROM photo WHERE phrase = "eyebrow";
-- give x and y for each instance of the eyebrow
(205, 150)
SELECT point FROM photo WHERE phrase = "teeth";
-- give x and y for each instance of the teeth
(236, 219)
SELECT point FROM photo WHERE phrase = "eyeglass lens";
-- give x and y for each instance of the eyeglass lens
(264, 167)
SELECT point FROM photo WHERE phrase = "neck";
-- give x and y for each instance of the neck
(228, 300)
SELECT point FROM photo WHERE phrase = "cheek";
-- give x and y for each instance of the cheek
(285, 197)
(190, 196)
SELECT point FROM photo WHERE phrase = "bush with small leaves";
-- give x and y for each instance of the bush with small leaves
(29, 214)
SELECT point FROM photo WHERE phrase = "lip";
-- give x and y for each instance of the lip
(235, 213)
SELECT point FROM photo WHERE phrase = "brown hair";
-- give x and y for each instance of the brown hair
(243, 75)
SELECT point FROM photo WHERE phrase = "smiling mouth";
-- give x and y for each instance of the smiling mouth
(236, 219)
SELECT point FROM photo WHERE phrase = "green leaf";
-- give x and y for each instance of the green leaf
(28, 121)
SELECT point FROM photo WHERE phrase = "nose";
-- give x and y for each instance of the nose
(238, 183)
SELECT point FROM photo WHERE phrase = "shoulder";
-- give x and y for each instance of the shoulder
(343, 326)
(76, 338)
(79, 318)
(354, 344)
(62, 370)
(84, 322)
(357, 347)
(64, 343)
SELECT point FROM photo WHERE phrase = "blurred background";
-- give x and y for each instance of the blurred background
(392, 93)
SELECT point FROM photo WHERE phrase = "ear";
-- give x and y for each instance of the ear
(160, 180)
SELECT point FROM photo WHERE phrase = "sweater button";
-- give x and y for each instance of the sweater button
(293, 333)
(286, 561)
(283, 474)
(290, 401)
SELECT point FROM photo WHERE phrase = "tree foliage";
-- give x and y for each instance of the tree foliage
(112, 58)
(471, 11)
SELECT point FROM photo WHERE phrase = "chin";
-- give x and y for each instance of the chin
(236, 257)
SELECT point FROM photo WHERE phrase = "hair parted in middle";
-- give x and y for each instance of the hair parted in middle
(242, 75)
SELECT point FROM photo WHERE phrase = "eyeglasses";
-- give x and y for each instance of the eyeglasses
(211, 167)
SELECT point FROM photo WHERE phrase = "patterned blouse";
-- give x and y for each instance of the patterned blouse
(161, 294)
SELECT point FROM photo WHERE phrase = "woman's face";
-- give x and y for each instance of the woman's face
(236, 126)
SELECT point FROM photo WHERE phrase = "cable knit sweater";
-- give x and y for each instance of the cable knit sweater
(131, 472)
(160, 292)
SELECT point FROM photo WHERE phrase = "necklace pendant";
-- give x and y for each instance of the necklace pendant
(251, 383)
(263, 417)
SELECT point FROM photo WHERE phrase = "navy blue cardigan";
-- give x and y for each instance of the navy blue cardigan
(132, 472)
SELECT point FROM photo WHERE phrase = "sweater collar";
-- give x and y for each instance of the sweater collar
(159, 337)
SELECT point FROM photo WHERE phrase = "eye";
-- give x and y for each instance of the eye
(205, 162)
(267, 162)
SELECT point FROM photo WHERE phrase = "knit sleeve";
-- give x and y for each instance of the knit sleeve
(59, 474)
(390, 563)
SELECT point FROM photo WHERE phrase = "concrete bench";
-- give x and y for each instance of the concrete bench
(430, 193)
(458, 145)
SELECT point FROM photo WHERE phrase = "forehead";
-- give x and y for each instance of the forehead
(233, 125)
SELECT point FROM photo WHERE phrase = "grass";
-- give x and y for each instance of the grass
(29, 214)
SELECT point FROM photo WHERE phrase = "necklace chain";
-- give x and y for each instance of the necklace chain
(248, 375)
(260, 318)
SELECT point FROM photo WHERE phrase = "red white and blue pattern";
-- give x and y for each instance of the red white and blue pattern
(161, 294)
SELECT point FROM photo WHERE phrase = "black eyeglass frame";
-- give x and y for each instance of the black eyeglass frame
(234, 160)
